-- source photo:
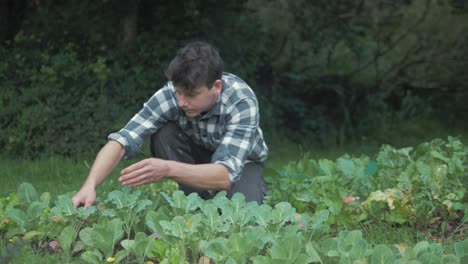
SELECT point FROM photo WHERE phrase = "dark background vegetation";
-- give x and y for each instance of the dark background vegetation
(326, 72)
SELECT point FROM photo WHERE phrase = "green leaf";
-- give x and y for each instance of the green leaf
(117, 198)
(330, 247)
(45, 199)
(282, 213)
(315, 221)
(267, 260)
(371, 168)
(262, 215)
(450, 259)
(212, 217)
(216, 249)
(230, 261)
(350, 240)
(86, 235)
(26, 193)
(239, 247)
(346, 166)
(66, 238)
(143, 245)
(429, 258)
(461, 248)
(179, 200)
(302, 259)
(104, 236)
(287, 248)
(238, 202)
(334, 206)
(352, 237)
(220, 200)
(115, 226)
(18, 216)
(65, 205)
(160, 249)
(84, 213)
(327, 167)
(152, 219)
(168, 198)
(35, 209)
(111, 213)
(142, 205)
(120, 255)
(382, 254)
(359, 249)
(438, 155)
(128, 244)
(79, 246)
(257, 236)
(15, 231)
(175, 227)
(94, 257)
(32, 234)
(311, 249)
(420, 247)
(193, 202)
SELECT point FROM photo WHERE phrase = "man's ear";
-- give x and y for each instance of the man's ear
(218, 86)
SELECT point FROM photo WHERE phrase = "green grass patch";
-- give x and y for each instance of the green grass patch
(57, 175)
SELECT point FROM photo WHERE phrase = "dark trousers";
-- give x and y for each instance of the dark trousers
(171, 143)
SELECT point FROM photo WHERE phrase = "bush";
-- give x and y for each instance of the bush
(65, 103)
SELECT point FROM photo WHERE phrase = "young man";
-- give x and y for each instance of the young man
(204, 131)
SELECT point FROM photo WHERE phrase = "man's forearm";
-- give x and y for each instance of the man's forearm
(106, 160)
(203, 176)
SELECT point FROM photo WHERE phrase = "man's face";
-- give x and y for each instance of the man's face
(200, 100)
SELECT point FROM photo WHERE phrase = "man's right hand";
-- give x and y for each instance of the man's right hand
(86, 196)
(105, 162)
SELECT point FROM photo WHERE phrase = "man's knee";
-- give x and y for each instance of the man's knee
(166, 139)
(165, 133)
(251, 184)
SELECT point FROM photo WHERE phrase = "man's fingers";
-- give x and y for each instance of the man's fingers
(136, 181)
(134, 167)
(88, 203)
(133, 174)
(75, 202)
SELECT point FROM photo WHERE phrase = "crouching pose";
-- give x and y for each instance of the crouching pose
(204, 133)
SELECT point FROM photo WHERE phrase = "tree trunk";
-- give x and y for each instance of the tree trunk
(129, 26)
(4, 21)
(11, 16)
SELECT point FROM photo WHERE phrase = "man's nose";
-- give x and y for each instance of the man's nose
(182, 101)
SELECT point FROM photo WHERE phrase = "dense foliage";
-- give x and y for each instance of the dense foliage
(327, 71)
(424, 188)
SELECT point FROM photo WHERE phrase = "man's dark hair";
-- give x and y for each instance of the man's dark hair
(195, 65)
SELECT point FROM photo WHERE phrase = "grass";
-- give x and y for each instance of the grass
(59, 175)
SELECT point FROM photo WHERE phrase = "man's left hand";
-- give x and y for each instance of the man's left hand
(143, 172)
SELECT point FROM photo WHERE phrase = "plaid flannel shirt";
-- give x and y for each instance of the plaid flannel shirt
(230, 129)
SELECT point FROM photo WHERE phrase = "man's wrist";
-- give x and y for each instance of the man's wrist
(170, 167)
(90, 185)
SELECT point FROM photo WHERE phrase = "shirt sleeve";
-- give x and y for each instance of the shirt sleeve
(234, 147)
(156, 112)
